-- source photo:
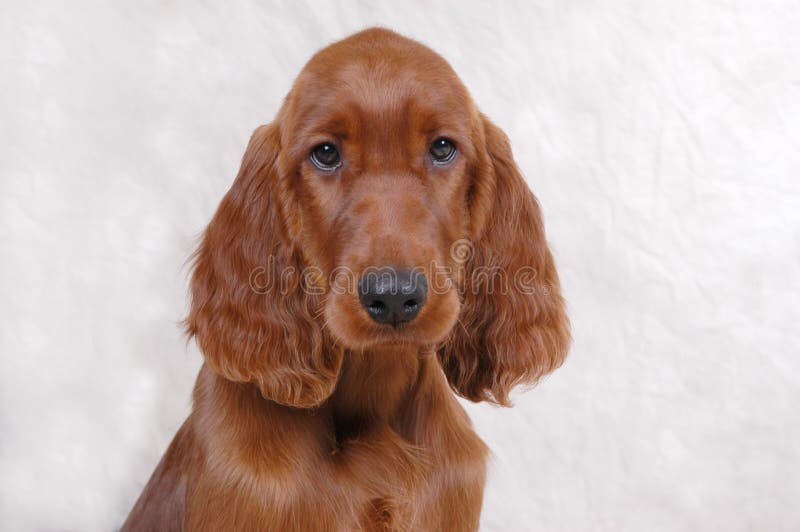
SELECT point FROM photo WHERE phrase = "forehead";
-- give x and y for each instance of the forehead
(378, 79)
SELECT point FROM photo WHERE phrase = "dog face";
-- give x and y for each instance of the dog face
(379, 141)
(400, 211)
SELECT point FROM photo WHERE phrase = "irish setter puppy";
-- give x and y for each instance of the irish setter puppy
(378, 253)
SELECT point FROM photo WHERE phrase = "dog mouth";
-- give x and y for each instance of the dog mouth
(357, 325)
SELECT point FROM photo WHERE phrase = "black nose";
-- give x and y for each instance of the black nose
(392, 295)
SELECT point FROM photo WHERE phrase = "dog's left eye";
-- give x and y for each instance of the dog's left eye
(442, 150)
(326, 157)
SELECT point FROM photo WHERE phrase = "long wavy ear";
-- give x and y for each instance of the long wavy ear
(252, 312)
(513, 327)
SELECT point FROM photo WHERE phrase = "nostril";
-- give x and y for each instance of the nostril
(377, 308)
(410, 306)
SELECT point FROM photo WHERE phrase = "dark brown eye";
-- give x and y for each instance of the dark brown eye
(326, 157)
(442, 150)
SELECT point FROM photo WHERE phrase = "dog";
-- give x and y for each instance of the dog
(378, 254)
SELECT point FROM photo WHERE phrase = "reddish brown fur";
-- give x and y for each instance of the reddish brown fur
(307, 415)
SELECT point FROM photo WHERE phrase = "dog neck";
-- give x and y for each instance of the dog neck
(374, 392)
(374, 383)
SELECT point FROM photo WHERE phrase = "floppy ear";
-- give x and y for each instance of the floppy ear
(513, 327)
(252, 312)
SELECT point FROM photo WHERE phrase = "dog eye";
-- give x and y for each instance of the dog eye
(442, 150)
(326, 157)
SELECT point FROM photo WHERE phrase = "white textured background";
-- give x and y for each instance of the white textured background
(662, 138)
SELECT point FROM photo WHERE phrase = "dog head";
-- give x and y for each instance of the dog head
(380, 207)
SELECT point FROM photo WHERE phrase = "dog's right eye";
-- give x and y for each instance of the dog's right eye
(326, 157)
